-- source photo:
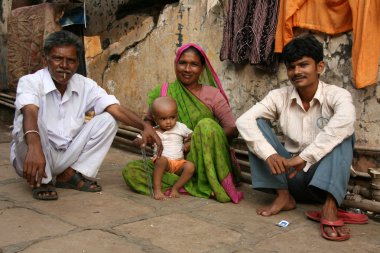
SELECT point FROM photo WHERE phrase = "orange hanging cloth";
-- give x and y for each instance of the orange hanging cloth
(334, 17)
(366, 41)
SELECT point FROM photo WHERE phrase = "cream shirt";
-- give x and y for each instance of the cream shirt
(312, 134)
(172, 141)
(64, 116)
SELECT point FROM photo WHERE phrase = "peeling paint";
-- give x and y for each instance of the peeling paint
(111, 86)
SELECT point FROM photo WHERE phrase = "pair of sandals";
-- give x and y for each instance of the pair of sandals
(48, 191)
(344, 217)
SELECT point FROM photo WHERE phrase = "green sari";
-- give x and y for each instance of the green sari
(209, 151)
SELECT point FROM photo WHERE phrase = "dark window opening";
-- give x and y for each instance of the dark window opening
(151, 7)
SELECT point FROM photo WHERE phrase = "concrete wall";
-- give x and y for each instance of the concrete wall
(139, 50)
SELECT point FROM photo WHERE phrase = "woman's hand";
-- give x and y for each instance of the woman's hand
(186, 147)
(186, 144)
(230, 132)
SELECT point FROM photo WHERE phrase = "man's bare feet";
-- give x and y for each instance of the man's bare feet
(174, 194)
(283, 202)
(330, 213)
(158, 195)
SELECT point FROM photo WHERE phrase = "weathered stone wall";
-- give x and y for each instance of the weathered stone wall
(5, 9)
(139, 50)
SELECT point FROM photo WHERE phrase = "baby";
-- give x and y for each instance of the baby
(172, 134)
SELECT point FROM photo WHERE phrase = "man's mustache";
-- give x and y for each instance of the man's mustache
(63, 71)
(298, 76)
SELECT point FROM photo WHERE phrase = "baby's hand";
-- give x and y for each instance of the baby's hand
(186, 147)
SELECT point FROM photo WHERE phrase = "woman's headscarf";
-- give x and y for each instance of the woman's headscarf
(208, 76)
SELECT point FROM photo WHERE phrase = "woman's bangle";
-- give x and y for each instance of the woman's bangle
(31, 131)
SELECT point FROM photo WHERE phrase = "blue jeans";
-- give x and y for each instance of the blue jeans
(331, 174)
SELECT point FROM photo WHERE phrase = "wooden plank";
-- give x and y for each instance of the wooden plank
(4, 61)
(5, 10)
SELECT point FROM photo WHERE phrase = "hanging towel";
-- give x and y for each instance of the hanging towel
(366, 41)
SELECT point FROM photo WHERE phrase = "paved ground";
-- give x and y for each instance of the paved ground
(119, 220)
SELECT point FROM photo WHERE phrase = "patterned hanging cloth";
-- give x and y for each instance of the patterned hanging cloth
(249, 33)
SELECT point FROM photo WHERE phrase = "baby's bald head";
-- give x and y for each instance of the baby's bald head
(163, 105)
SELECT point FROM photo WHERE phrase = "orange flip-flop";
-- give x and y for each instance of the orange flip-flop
(333, 225)
(346, 217)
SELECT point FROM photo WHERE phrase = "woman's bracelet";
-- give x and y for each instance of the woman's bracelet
(31, 131)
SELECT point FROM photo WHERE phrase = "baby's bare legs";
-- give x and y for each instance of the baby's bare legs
(187, 172)
(160, 166)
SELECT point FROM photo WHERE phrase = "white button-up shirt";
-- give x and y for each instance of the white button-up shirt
(172, 140)
(64, 116)
(312, 134)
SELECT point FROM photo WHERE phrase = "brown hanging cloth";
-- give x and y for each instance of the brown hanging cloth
(249, 33)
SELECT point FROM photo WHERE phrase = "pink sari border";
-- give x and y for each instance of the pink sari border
(229, 187)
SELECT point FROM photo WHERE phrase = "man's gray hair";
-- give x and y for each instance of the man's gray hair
(63, 38)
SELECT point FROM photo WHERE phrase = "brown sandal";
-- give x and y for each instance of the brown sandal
(73, 182)
(48, 189)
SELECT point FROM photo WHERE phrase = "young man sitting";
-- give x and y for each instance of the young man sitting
(317, 120)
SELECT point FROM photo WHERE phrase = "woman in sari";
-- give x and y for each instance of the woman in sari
(203, 107)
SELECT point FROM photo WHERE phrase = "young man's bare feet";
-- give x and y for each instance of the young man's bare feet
(158, 195)
(283, 202)
(174, 193)
(330, 213)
